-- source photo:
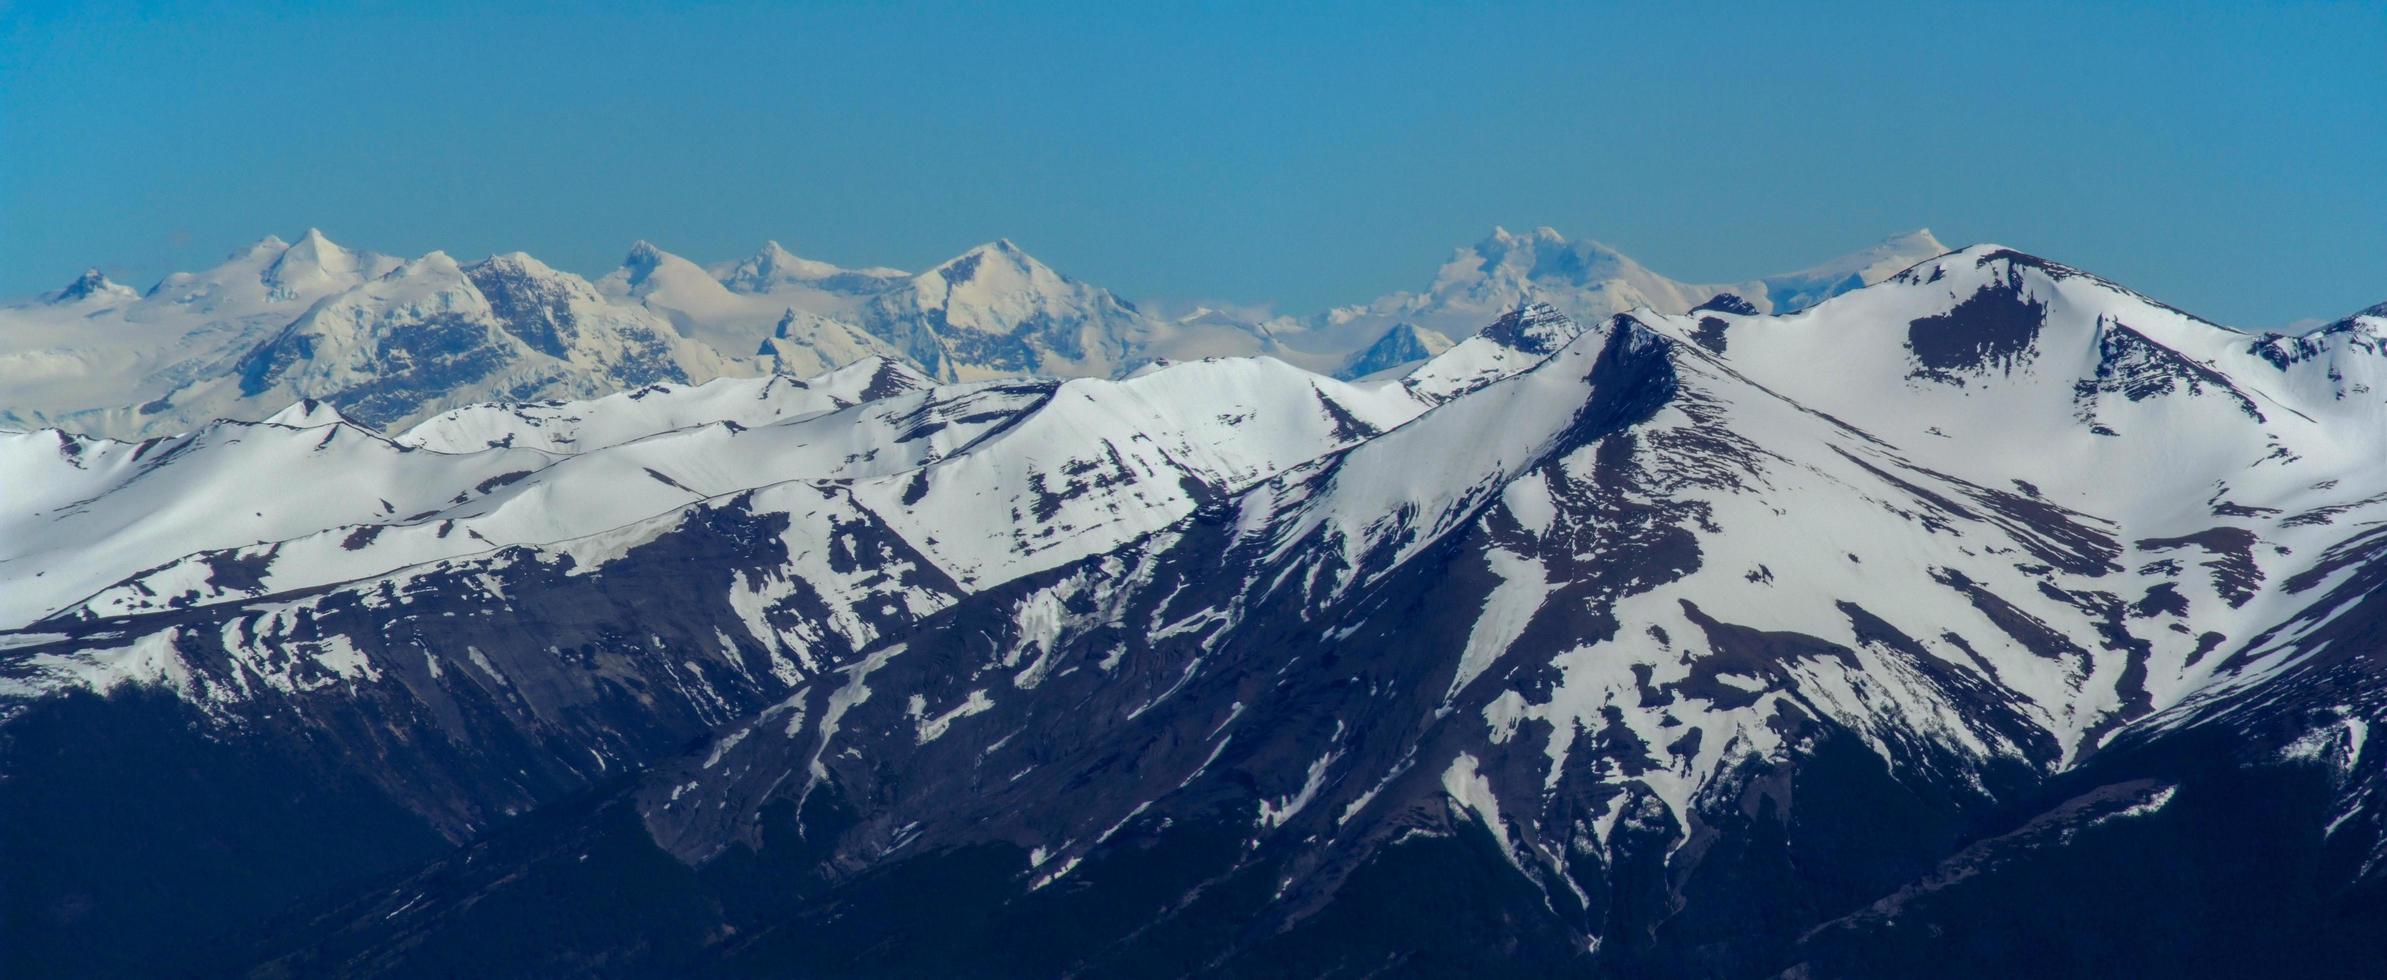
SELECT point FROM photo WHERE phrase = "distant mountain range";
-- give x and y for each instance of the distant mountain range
(1983, 619)
(391, 341)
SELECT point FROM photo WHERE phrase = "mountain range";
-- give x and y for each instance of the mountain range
(1973, 617)
(391, 341)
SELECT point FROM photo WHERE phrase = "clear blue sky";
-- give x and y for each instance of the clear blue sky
(2228, 158)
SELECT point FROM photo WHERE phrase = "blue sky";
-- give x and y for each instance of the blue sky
(2224, 157)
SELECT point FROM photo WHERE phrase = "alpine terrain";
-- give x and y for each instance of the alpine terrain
(1925, 613)
(390, 341)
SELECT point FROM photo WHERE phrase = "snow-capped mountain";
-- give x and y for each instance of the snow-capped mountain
(995, 311)
(1520, 339)
(1899, 634)
(774, 269)
(384, 339)
(91, 289)
(314, 265)
(433, 334)
(95, 359)
(1584, 279)
(1793, 291)
(90, 356)
(1402, 344)
(777, 309)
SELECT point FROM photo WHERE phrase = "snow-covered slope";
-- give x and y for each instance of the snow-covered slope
(1078, 468)
(87, 512)
(567, 427)
(1999, 366)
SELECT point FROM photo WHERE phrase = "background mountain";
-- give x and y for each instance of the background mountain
(386, 340)
(1583, 279)
(1989, 619)
(391, 341)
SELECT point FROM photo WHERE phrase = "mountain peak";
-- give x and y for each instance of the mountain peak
(774, 258)
(1402, 343)
(306, 413)
(1919, 238)
(1880, 261)
(90, 284)
(2370, 321)
(517, 263)
(432, 263)
(1001, 247)
(1001, 253)
(1540, 235)
(640, 263)
(1985, 255)
(773, 266)
(1533, 327)
(312, 259)
(1726, 303)
(1542, 255)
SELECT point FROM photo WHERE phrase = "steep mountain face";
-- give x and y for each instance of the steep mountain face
(1988, 620)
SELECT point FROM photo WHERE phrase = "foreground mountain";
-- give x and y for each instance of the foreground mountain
(398, 340)
(1988, 620)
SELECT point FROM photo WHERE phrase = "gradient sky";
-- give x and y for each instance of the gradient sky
(2227, 158)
